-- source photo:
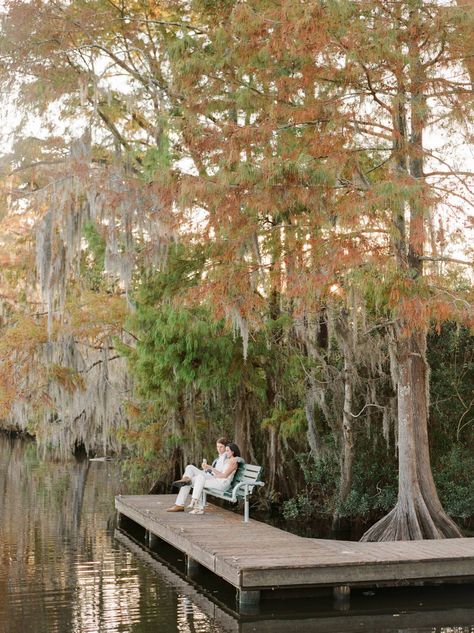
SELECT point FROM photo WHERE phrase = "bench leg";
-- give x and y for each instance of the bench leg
(246, 510)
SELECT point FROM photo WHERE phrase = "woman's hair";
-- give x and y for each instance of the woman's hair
(222, 440)
(234, 448)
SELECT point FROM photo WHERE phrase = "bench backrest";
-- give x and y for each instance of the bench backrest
(246, 474)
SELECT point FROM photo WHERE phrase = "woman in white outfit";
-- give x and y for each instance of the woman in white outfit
(207, 478)
(191, 472)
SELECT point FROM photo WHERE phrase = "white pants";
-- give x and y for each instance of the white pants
(203, 481)
(193, 473)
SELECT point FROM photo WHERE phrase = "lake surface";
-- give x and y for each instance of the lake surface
(65, 569)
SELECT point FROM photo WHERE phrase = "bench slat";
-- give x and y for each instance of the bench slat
(246, 475)
(253, 477)
(251, 467)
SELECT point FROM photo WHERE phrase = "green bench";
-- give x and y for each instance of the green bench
(245, 481)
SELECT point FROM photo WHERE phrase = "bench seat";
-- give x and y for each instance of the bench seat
(245, 481)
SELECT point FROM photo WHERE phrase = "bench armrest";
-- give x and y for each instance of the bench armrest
(236, 488)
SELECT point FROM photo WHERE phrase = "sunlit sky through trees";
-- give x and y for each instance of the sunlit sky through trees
(443, 147)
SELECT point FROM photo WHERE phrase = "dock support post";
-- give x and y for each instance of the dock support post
(152, 539)
(342, 597)
(192, 566)
(248, 601)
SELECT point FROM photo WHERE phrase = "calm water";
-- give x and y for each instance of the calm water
(64, 569)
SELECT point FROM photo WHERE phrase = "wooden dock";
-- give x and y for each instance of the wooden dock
(255, 557)
(389, 617)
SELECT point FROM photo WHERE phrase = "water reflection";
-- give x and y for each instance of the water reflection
(62, 570)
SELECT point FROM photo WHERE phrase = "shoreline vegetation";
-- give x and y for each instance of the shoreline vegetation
(311, 509)
(251, 219)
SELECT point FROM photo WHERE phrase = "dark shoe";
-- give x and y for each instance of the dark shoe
(185, 481)
(175, 509)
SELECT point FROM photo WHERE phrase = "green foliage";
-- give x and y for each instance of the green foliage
(179, 348)
(299, 508)
(451, 358)
(187, 367)
(290, 423)
(454, 479)
(321, 478)
(373, 493)
(375, 485)
(93, 257)
(156, 159)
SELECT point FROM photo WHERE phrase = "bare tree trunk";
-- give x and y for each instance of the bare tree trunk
(346, 340)
(418, 513)
(242, 426)
(272, 457)
(347, 450)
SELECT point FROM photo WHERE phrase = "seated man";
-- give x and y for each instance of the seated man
(219, 462)
(191, 472)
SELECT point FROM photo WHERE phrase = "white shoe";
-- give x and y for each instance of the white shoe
(197, 511)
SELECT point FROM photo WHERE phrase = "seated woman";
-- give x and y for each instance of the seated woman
(210, 478)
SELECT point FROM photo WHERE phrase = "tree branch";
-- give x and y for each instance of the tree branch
(442, 258)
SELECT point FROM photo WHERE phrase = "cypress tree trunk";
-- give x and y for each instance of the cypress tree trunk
(418, 513)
